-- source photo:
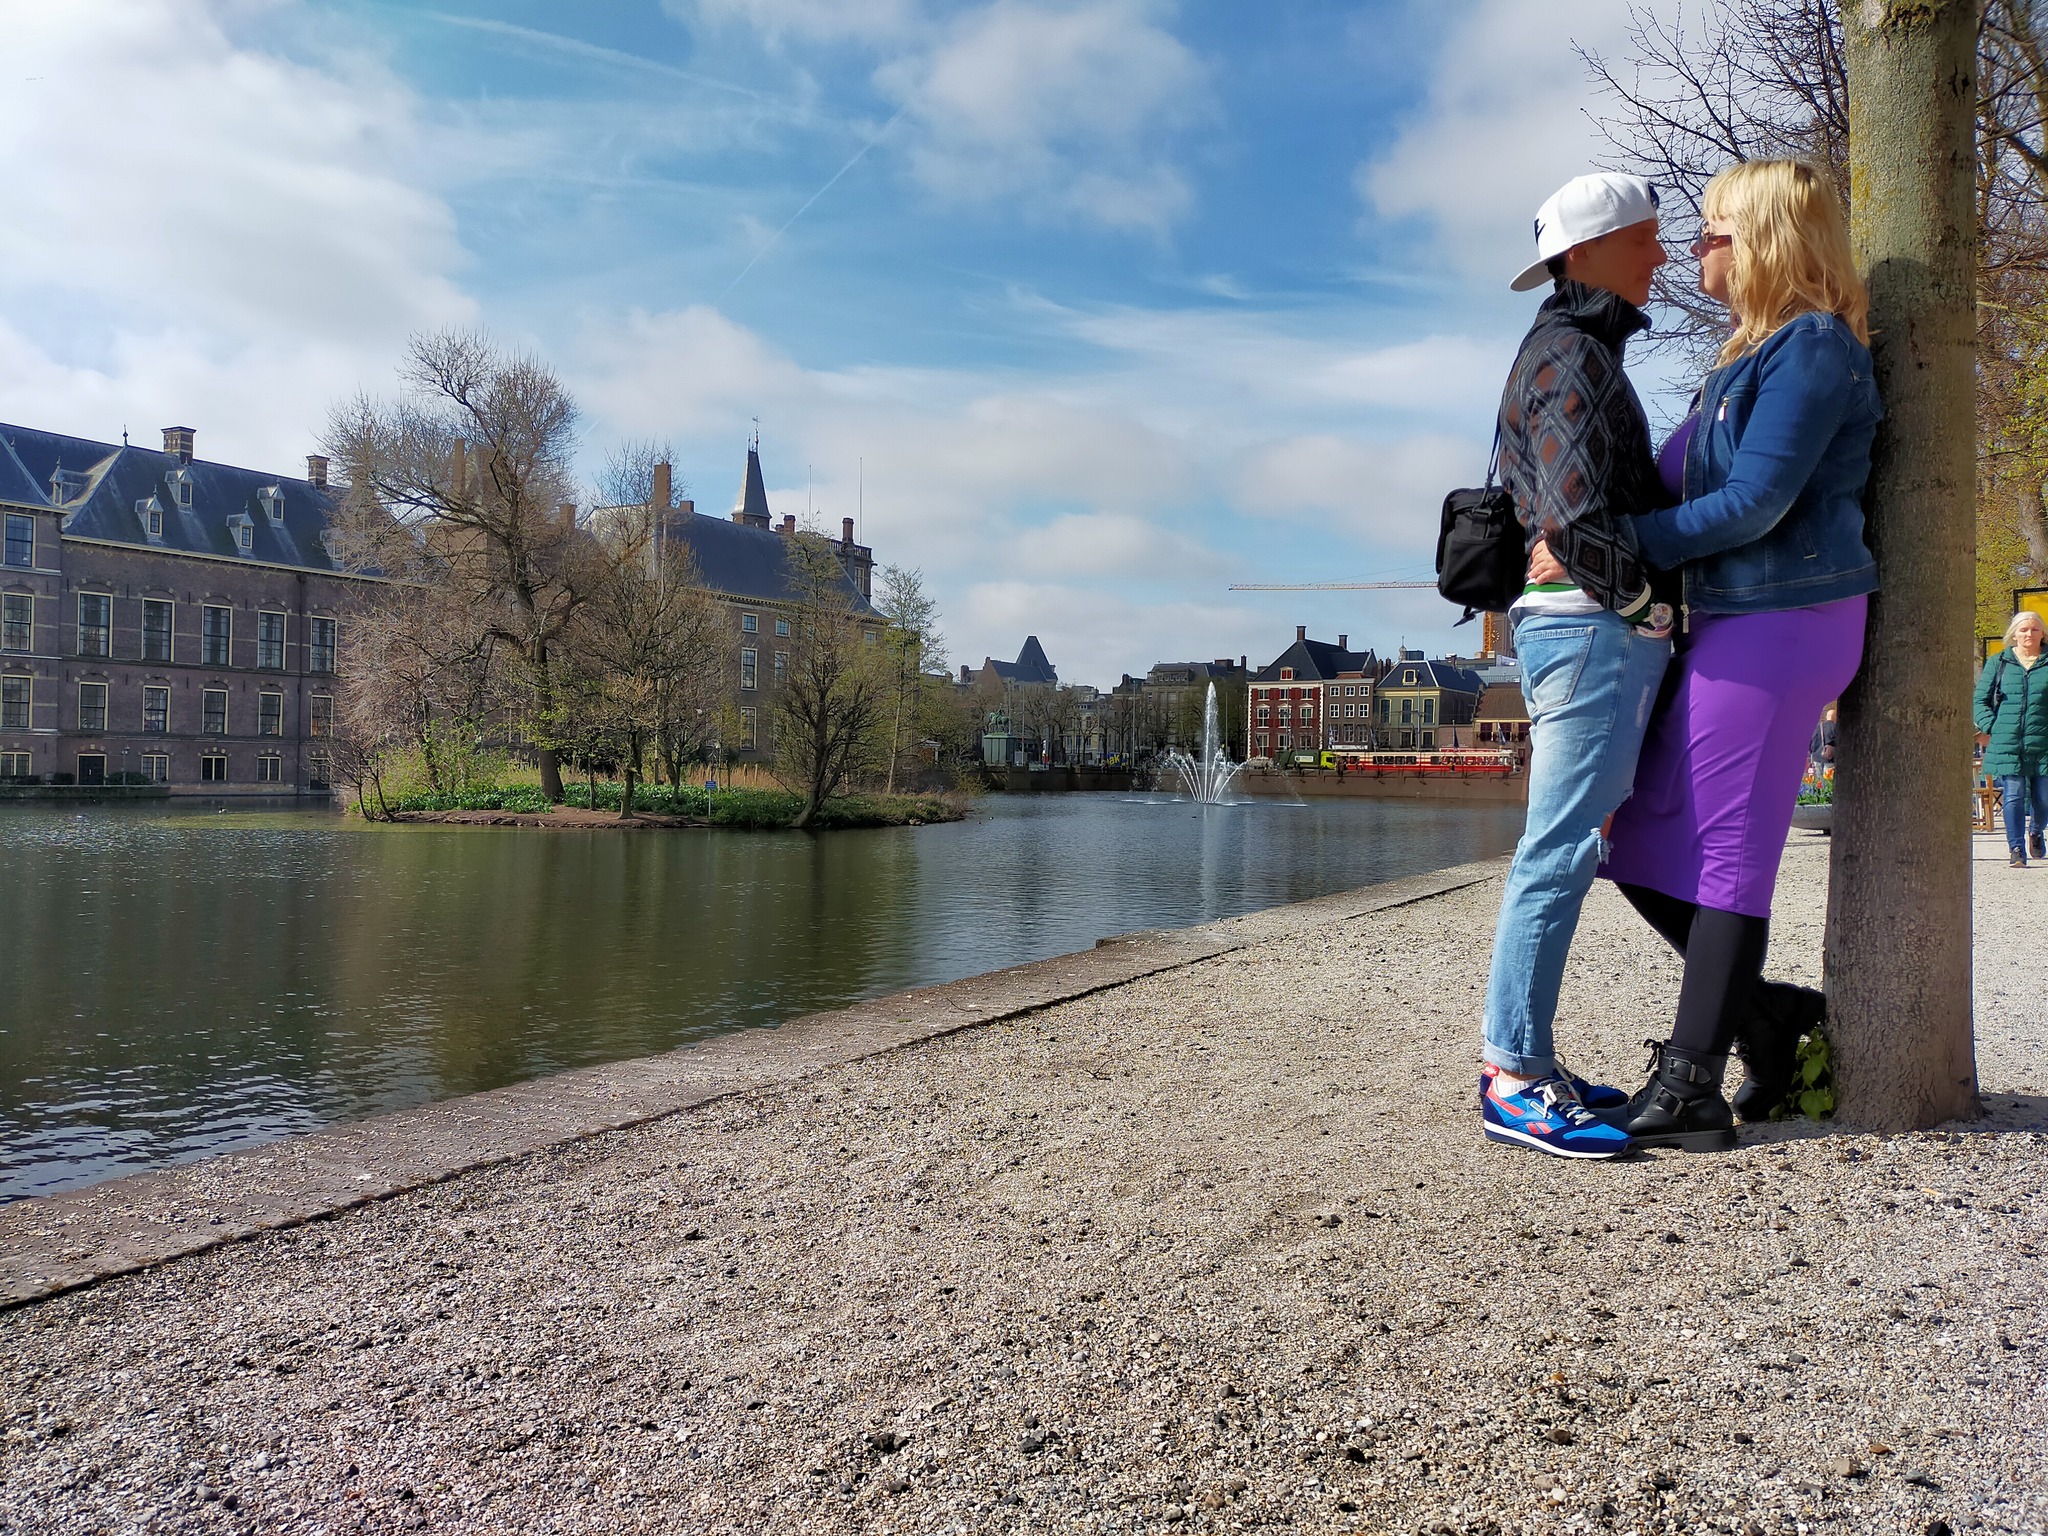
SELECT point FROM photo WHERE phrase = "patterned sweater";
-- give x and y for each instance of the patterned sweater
(1575, 445)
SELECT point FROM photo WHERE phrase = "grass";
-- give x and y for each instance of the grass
(753, 809)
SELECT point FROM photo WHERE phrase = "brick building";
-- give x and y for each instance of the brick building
(1310, 692)
(164, 617)
(743, 561)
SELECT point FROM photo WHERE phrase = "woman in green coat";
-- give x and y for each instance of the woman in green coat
(2012, 725)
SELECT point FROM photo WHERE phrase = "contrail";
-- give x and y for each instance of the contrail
(858, 156)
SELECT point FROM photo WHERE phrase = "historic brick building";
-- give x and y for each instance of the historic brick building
(743, 561)
(1312, 692)
(164, 617)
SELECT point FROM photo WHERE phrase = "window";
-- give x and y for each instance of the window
(184, 490)
(1286, 741)
(269, 714)
(1408, 678)
(1407, 711)
(17, 622)
(270, 641)
(1308, 713)
(1429, 711)
(782, 629)
(1287, 674)
(153, 518)
(1265, 713)
(320, 645)
(270, 769)
(245, 535)
(213, 768)
(781, 668)
(748, 662)
(95, 624)
(1286, 713)
(156, 629)
(867, 636)
(16, 695)
(156, 711)
(216, 635)
(21, 540)
(747, 736)
(319, 771)
(1262, 743)
(213, 714)
(273, 503)
(1429, 738)
(320, 716)
(749, 623)
(156, 768)
(15, 765)
(92, 707)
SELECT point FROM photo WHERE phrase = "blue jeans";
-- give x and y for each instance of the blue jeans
(1590, 682)
(2026, 799)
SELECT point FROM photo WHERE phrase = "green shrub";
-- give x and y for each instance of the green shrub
(746, 809)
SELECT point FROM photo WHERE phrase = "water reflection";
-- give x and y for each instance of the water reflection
(182, 980)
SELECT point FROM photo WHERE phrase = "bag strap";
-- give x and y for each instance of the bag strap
(1493, 458)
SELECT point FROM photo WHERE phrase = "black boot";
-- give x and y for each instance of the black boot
(1681, 1105)
(1769, 1042)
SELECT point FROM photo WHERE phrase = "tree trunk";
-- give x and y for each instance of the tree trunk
(626, 794)
(1898, 933)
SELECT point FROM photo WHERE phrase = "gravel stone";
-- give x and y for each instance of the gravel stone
(1097, 1228)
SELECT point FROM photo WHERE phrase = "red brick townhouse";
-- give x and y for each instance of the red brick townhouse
(1311, 697)
(164, 617)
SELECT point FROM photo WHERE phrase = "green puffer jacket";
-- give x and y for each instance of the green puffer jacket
(2012, 708)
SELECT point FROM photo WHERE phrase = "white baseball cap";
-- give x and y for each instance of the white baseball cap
(1585, 208)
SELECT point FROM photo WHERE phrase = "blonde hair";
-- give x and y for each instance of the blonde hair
(1791, 250)
(2020, 618)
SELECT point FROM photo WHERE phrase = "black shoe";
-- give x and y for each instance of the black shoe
(2037, 846)
(1769, 1042)
(1681, 1105)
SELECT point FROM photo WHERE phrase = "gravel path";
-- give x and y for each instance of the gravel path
(1217, 1250)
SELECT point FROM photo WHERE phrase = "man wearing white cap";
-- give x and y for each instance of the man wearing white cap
(1575, 453)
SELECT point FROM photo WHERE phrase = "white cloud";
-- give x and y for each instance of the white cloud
(1384, 495)
(233, 227)
(1505, 123)
(1069, 108)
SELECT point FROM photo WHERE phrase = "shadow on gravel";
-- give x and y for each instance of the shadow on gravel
(2004, 1114)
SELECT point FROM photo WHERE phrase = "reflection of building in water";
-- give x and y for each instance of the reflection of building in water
(742, 559)
(165, 619)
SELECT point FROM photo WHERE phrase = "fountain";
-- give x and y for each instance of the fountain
(1206, 779)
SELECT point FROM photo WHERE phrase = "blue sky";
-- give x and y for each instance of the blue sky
(1090, 307)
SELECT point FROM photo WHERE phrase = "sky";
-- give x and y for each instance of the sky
(1086, 308)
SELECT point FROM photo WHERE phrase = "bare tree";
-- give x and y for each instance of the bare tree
(830, 716)
(466, 482)
(1752, 79)
(913, 649)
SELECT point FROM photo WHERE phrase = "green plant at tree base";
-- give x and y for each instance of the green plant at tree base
(1813, 1080)
(1822, 793)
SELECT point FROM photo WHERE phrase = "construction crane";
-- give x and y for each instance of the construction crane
(1326, 586)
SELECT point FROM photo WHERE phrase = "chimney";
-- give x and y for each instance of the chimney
(1300, 633)
(661, 485)
(178, 440)
(846, 531)
(316, 469)
(1244, 663)
(789, 522)
(568, 515)
(1343, 642)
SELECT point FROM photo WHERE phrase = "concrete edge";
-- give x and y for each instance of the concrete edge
(53, 1244)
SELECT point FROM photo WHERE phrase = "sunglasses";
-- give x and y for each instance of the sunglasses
(1707, 242)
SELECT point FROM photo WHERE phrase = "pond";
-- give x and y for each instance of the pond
(188, 978)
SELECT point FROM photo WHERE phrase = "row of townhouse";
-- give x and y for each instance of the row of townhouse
(164, 617)
(1316, 696)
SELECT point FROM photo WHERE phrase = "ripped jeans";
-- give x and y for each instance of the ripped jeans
(1590, 681)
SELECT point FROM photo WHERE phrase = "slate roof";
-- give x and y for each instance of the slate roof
(1432, 674)
(1315, 661)
(102, 484)
(1502, 701)
(751, 505)
(741, 559)
(1031, 666)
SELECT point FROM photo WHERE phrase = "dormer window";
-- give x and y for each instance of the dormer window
(243, 527)
(1287, 674)
(273, 504)
(181, 486)
(152, 514)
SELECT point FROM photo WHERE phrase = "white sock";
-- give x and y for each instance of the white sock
(1511, 1082)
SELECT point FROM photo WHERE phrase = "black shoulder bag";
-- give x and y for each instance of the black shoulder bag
(1481, 556)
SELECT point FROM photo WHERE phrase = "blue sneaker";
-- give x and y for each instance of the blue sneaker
(1598, 1097)
(1548, 1116)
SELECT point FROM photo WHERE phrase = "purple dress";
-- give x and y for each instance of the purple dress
(1719, 774)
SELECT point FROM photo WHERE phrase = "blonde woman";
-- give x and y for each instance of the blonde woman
(1768, 536)
(2012, 722)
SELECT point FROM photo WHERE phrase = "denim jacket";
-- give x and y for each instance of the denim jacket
(1773, 510)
